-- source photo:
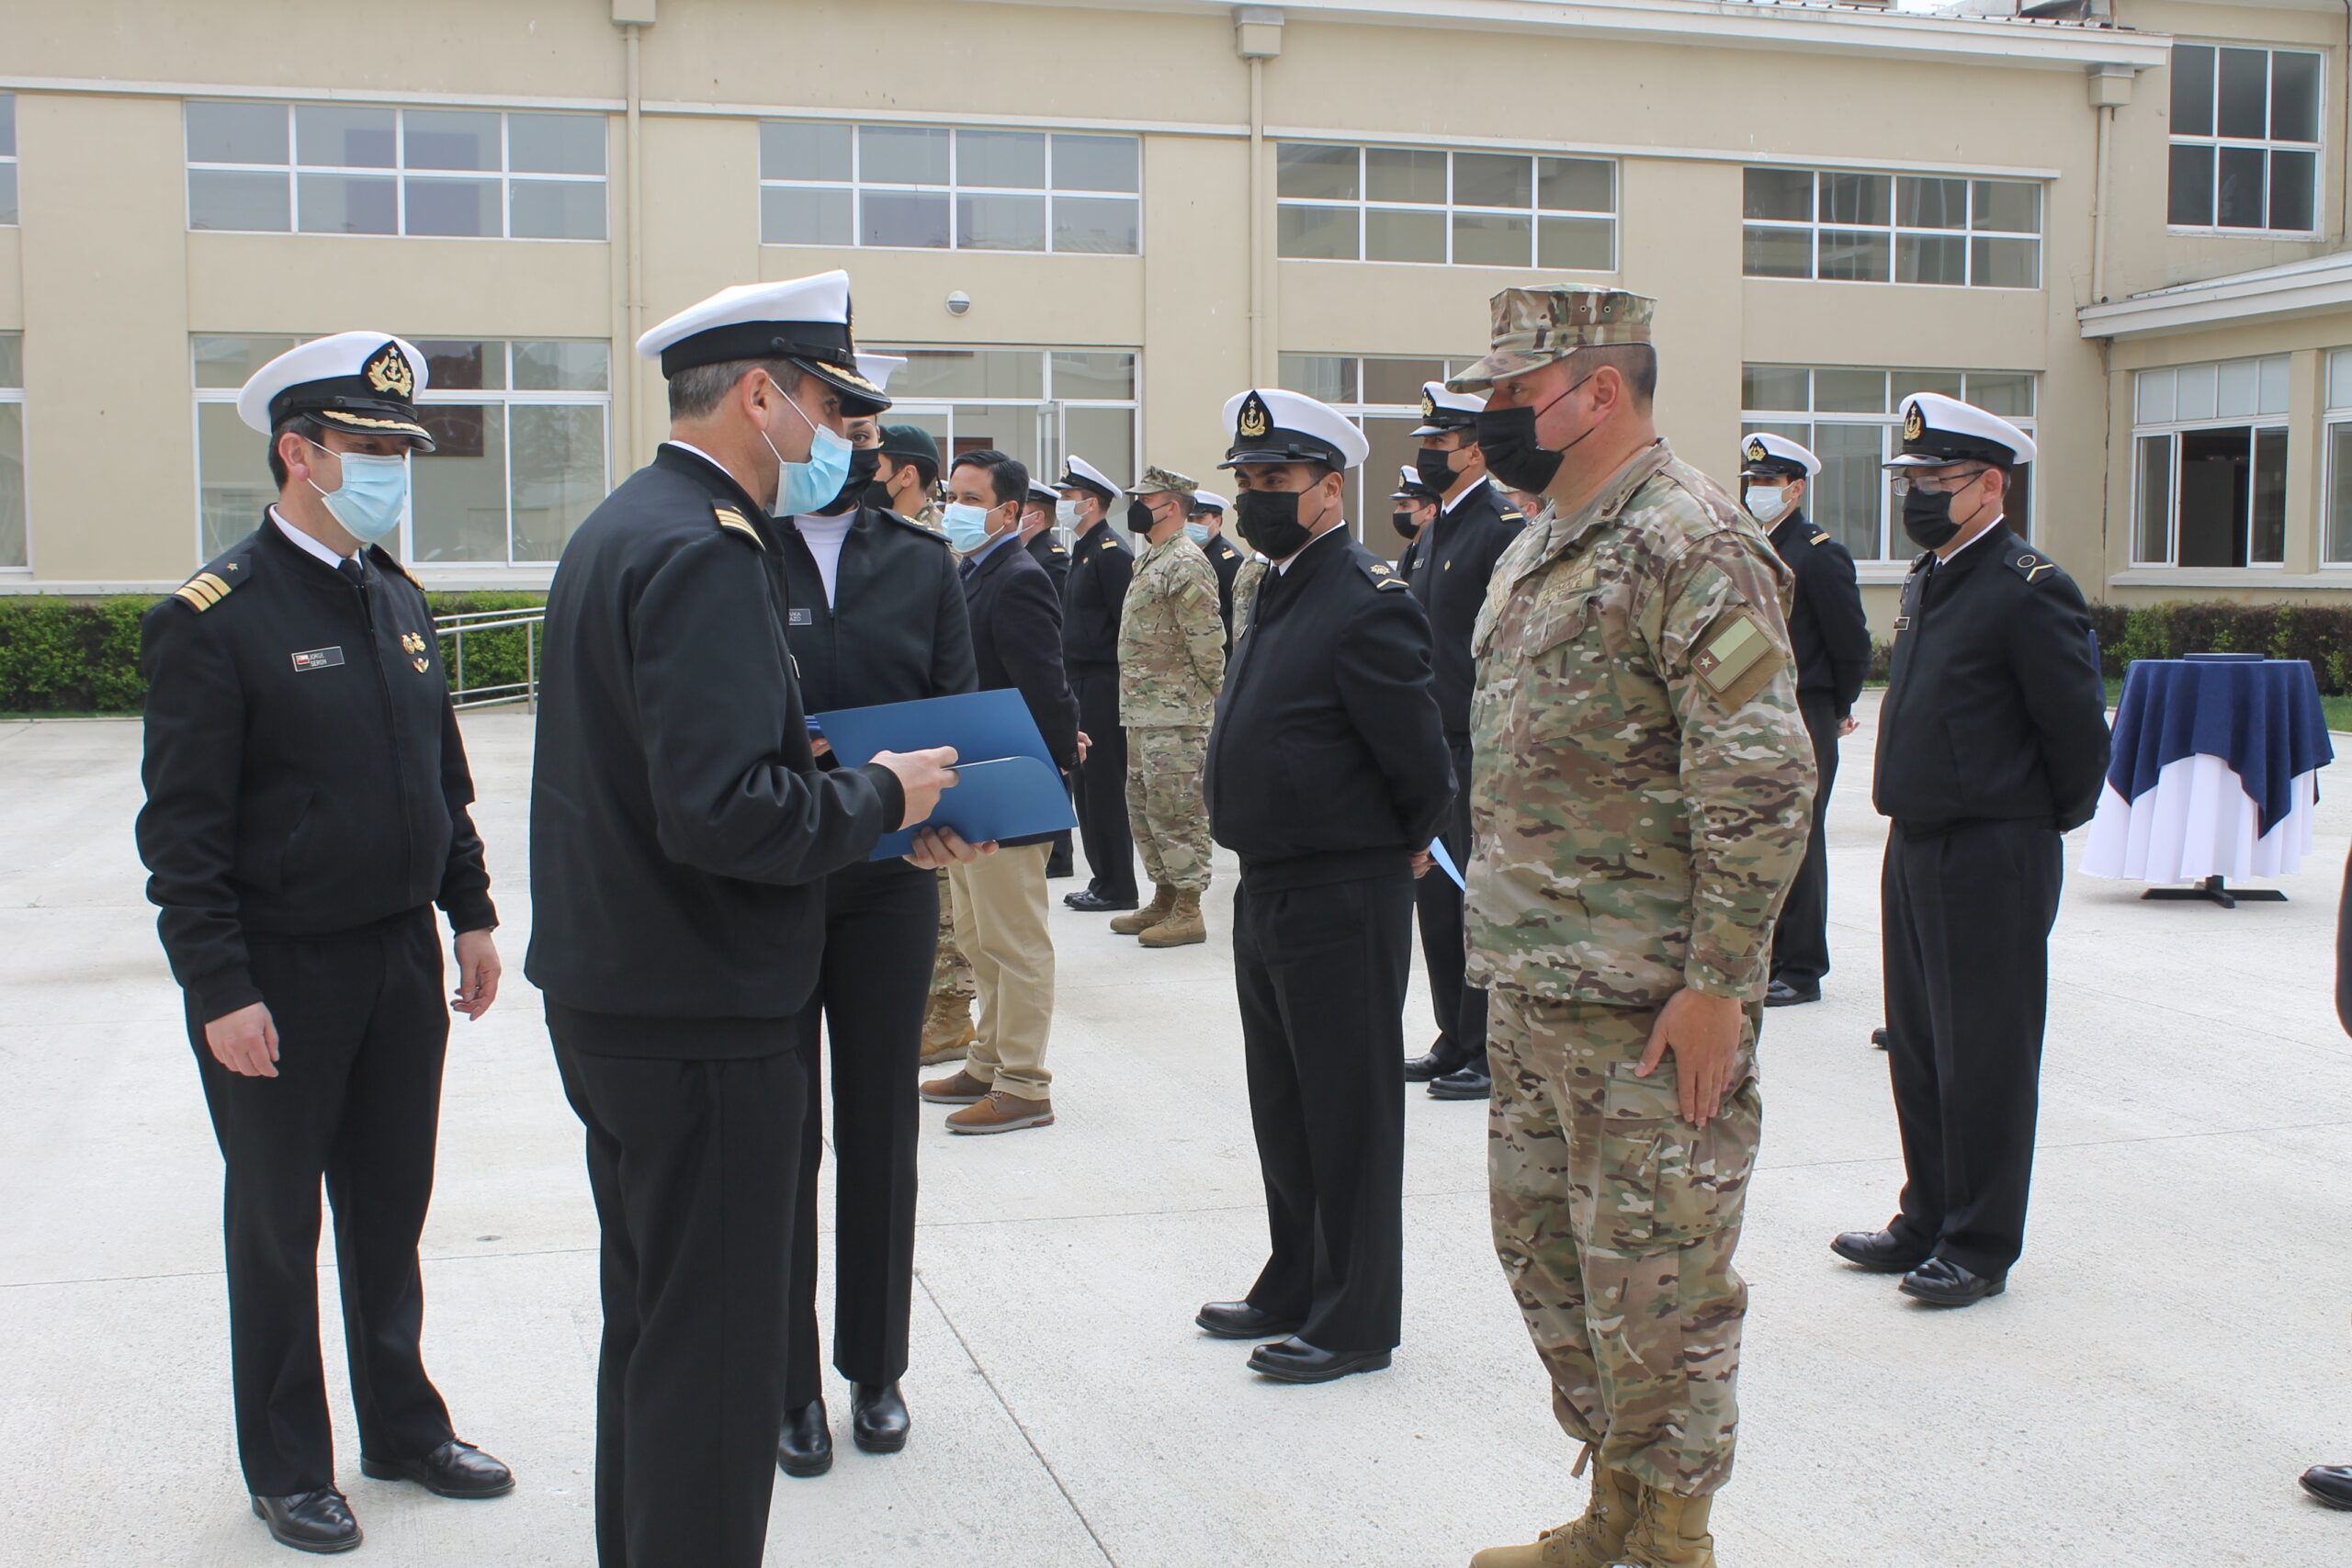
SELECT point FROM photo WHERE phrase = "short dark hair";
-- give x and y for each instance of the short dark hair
(301, 424)
(695, 392)
(1008, 476)
(1637, 362)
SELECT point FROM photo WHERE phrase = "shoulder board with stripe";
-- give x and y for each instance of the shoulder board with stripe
(1513, 514)
(736, 522)
(203, 591)
(2031, 566)
(1382, 574)
(1821, 537)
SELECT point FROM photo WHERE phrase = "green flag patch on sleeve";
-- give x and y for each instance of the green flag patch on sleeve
(1736, 656)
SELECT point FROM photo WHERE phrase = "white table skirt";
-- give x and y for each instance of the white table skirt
(2197, 822)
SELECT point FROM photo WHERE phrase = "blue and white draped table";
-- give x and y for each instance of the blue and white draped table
(2214, 771)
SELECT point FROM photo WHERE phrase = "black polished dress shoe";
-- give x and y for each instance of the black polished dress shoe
(309, 1522)
(1239, 1320)
(456, 1469)
(1435, 1064)
(1878, 1038)
(1294, 1361)
(878, 1416)
(1780, 994)
(1941, 1283)
(1093, 903)
(1881, 1252)
(2330, 1484)
(805, 1447)
(1466, 1082)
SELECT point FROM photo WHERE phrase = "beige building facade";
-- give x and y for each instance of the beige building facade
(1089, 224)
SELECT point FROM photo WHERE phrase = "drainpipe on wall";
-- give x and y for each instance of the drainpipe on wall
(1258, 37)
(2111, 89)
(633, 17)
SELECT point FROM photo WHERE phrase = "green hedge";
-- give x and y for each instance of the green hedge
(2318, 633)
(65, 655)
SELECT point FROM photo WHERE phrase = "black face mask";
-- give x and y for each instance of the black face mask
(1927, 517)
(1435, 468)
(1140, 517)
(1513, 455)
(862, 462)
(878, 495)
(1404, 524)
(1269, 520)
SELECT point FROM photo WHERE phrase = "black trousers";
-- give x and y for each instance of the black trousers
(1967, 915)
(1102, 782)
(881, 929)
(361, 1033)
(1800, 936)
(692, 1164)
(1321, 972)
(1460, 1008)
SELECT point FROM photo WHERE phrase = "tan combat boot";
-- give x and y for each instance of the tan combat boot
(947, 1030)
(1593, 1541)
(1138, 921)
(1670, 1533)
(1183, 926)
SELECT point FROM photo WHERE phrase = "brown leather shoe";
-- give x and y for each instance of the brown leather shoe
(947, 1030)
(959, 1088)
(1183, 926)
(1003, 1111)
(1163, 898)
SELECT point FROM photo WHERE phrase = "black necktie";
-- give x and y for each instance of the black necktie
(354, 571)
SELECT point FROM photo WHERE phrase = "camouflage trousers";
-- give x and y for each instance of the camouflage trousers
(951, 972)
(1165, 809)
(1616, 1221)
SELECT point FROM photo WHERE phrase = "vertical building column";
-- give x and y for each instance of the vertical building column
(2306, 457)
(1257, 38)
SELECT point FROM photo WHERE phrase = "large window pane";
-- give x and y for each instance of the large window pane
(2192, 89)
(2190, 202)
(794, 149)
(1575, 244)
(2240, 202)
(2244, 105)
(557, 209)
(1013, 158)
(451, 139)
(352, 204)
(12, 360)
(799, 215)
(2339, 493)
(1902, 384)
(562, 367)
(554, 143)
(1576, 184)
(1098, 163)
(335, 137)
(1780, 194)
(2294, 97)
(1001, 222)
(1011, 428)
(1777, 252)
(1396, 173)
(1855, 255)
(559, 475)
(464, 365)
(2006, 264)
(7, 193)
(969, 373)
(2293, 178)
(1105, 225)
(1308, 169)
(2216, 491)
(1394, 235)
(1484, 239)
(11, 485)
(1931, 258)
(1326, 377)
(7, 125)
(232, 467)
(2009, 396)
(1856, 198)
(1399, 380)
(1847, 497)
(901, 156)
(2151, 542)
(1849, 392)
(1493, 179)
(890, 218)
(224, 199)
(2013, 205)
(1105, 437)
(1774, 387)
(2266, 544)
(232, 361)
(2154, 396)
(1315, 234)
(1931, 203)
(1080, 376)
(458, 510)
(463, 207)
(236, 133)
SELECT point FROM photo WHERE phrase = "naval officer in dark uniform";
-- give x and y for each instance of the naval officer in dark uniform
(307, 796)
(1204, 525)
(1992, 742)
(1099, 566)
(1328, 775)
(1037, 538)
(681, 836)
(1831, 641)
(1415, 505)
(1453, 557)
(876, 614)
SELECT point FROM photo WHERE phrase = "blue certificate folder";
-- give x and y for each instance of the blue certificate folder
(1007, 786)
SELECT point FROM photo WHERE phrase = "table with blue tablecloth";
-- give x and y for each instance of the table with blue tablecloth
(2213, 773)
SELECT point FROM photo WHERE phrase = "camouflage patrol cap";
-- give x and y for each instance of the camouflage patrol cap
(1532, 327)
(1157, 479)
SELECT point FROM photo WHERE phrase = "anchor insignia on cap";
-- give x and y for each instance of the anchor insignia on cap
(1915, 423)
(1755, 451)
(1255, 422)
(1428, 406)
(390, 372)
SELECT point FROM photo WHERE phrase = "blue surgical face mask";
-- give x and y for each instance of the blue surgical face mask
(805, 487)
(1198, 532)
(1065, 513)
(967, 526)
(372, 496)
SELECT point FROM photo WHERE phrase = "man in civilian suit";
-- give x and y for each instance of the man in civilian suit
(1100, 567)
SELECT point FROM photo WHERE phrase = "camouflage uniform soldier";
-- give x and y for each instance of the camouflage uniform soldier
(1639, 788)
(1246, 584)
(1171, 661)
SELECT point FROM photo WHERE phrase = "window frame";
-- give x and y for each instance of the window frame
(402, 540)
(1895, 231)
(1889, 422)
(399, 173)
(2254, 422)
(2267, 145)
(14, 397)
(857, 188)
(1362, 493)
(10, 216)
(2333, 416)
(1364, 204)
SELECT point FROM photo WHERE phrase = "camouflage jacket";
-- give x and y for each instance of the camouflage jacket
(1171, 637)
(1247, 581)
(1641, 779)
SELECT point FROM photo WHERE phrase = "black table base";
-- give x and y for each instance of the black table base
(2212, 887)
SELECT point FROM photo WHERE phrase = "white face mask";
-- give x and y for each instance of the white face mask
(1065, 513)
(1766, 502)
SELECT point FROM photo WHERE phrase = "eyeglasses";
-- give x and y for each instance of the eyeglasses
(1905, 484)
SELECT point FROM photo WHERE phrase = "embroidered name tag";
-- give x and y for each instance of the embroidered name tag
(318, 659)
(801, 616)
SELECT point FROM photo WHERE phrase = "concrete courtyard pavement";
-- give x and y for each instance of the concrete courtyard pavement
(2172, 1351)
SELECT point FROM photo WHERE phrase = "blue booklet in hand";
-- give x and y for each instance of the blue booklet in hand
(1007, 786)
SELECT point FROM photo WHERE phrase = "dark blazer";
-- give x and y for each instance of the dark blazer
(1099, 566)
(679, 824)
(1017, 643)
(1225, 560)
(303, 768)
(1451, 561)
(896, 630)
(1326, 753)
(1995, 710)
(1054, 556)
(1827, 628)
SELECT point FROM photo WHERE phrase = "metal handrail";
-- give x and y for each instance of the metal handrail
(453, 629)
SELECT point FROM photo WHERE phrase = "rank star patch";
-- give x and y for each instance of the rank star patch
(317, 658)
(1735, 658)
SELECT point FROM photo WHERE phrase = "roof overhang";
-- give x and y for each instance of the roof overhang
(2309, 288)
